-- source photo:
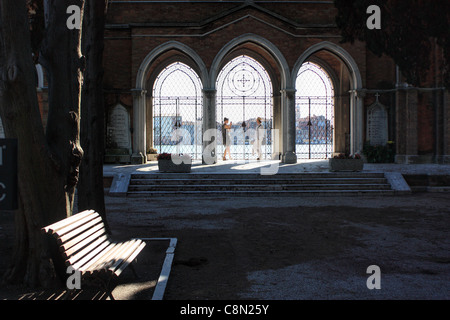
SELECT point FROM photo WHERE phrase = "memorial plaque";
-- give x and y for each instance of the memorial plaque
(377, 125)
(8, 174)
(118, 129)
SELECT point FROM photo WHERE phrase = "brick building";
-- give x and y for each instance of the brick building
(145, 40)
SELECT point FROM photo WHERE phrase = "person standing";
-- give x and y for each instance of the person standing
(226, 138)
(259, 137)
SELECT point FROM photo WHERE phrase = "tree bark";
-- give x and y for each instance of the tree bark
(61, 57)
(90, 187)
(47, 164)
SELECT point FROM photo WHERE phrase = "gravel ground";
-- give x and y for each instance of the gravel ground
(285, 248)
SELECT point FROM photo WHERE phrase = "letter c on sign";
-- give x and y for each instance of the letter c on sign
(2, 194)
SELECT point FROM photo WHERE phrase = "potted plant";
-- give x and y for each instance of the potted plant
(174, 163)
(346, 162)
(152, 154)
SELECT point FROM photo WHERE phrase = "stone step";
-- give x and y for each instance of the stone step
(254, 184)
(218, 194)
(252, 187)
(216, 176)
(257, 181)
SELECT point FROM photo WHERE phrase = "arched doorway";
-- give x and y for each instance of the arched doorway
(348, 98)
(314, 113)
(177, 111)
(244, 93)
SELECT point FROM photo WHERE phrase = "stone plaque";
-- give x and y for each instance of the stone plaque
(118, 128)
(377, 125)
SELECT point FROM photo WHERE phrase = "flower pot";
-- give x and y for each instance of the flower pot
(152, 156)
(169, 166)
(346, 164)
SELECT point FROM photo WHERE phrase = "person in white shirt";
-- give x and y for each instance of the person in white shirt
(259, 137)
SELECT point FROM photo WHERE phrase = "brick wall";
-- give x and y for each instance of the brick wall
(134, 30)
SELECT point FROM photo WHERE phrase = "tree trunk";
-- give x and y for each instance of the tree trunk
(47, 165)
(62, 59)
(90, 187)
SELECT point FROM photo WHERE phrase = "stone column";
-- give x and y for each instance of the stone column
(356, 121)
(149, 122)
(209, 122)
(406, 110)
(288, 102)
(139, 126)
(277, 124)
(446, 127)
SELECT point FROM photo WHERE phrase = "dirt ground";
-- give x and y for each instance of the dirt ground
(285, 248)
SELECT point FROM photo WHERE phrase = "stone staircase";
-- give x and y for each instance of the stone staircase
(251, 184)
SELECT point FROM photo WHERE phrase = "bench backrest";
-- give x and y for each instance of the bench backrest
(79, 237)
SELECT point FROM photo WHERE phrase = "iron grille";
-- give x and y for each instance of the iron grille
(177, 111)
(314, 113)
(244, 94)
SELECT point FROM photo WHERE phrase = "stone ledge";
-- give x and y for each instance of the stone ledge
(397, 182)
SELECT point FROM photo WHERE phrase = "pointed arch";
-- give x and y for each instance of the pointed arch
(170, 45)
(338, 51)
(356, 84)
(140, 92)
(264, 43)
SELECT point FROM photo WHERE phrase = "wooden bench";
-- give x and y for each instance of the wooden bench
(85, 245)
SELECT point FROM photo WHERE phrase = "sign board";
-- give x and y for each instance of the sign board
(8, 174)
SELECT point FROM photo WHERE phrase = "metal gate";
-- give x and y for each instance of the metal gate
(314, 113)
(245, 94)
(314, 128)
(177, 111)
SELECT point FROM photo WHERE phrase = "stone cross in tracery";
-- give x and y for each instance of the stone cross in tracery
(243, 80)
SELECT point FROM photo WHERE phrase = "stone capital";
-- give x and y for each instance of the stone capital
(209, 93)
(359, 93)
(138, 92)
(289, 92)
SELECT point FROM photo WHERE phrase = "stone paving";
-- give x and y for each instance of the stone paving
(302, 166)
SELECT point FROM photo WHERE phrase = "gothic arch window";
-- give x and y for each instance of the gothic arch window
(177, 111)
(244, 93)
(314, 113)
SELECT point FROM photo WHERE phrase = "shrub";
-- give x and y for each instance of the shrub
(347, 156)
(380, 154)
(164, 156)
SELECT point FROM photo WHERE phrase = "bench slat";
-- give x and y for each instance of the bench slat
(103, 260)
(91, 256)
(130, 259)
(82, 248)
(78, 227)
(60, 224)
(127, 252)
(112, 258)
(80, 239)
(100, 256)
